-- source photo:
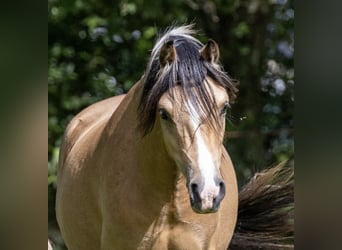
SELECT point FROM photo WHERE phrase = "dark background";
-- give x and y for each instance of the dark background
(98, 49)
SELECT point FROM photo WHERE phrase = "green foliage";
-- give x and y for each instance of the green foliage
(98, 49)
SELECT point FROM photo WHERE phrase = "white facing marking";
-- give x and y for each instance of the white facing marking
(205, 162)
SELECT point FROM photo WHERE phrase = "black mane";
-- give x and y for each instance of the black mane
(189, 70)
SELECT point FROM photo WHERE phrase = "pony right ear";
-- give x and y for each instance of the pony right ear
(167, 53)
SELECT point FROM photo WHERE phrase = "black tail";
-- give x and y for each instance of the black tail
(266, 211)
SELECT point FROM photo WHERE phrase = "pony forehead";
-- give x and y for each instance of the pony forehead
(182, 108)
(176, 94)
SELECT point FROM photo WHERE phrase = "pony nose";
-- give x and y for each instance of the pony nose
(220, 196)
(206, 200)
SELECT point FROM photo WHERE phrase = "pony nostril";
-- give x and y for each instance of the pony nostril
(194, 187)
(222, 189)
(195, 192)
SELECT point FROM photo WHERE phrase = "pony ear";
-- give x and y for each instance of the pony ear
(210, 52)
(167, 53)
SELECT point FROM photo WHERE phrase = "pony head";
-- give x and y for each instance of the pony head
(186, 89)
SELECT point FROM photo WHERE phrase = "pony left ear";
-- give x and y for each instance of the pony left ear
(210, 52)
(167, 53)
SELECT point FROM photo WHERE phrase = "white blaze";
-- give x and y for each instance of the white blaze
(205, 162)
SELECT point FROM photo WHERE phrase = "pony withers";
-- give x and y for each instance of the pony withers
(148, 170)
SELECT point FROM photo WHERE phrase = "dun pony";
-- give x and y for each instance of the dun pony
(148, 169)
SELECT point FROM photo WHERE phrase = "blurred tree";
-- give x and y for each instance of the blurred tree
(99, 49)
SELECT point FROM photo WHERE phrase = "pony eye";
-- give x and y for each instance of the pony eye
(164, 114)
(225, 108)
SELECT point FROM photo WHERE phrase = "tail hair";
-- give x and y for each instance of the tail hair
(266, 211)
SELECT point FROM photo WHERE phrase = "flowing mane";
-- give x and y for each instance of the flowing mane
(189, 70)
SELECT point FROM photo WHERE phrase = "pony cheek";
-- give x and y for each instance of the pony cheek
(170, 145)
(174, 152)
(223, 130)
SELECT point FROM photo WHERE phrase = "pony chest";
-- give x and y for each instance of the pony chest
(173, 231)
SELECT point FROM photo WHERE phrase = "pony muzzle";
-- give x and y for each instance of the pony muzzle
(206, 199)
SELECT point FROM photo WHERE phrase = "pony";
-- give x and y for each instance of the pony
(148, 169)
